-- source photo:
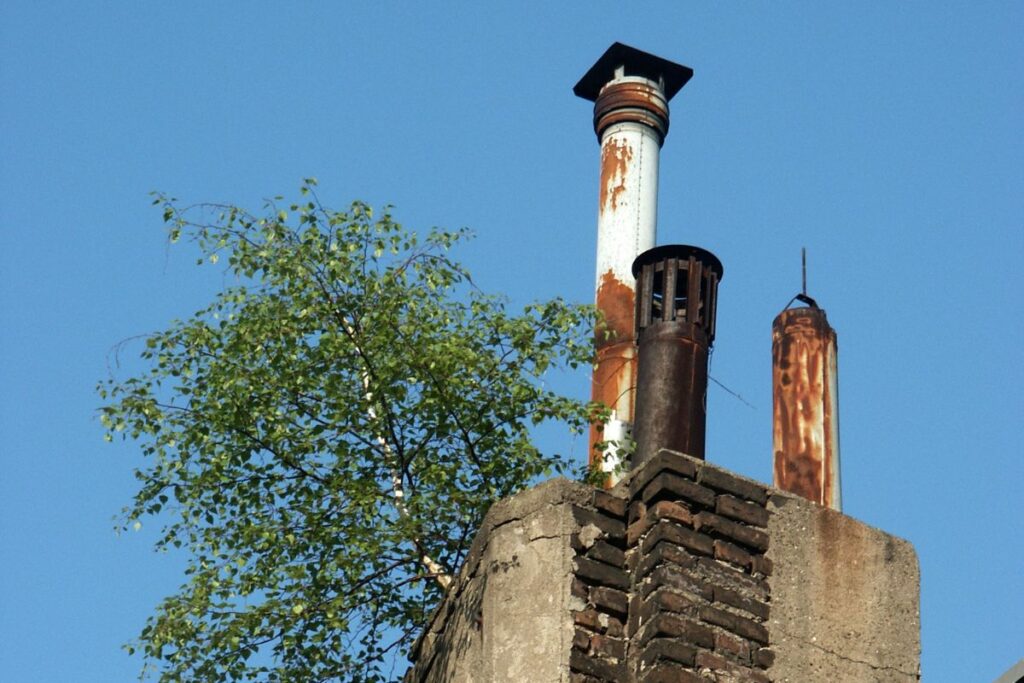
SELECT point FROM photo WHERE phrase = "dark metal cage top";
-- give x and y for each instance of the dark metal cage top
(677, 283)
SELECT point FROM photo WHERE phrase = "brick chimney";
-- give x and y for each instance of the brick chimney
(684, 572)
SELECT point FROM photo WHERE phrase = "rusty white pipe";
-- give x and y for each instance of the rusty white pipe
(630, 90)
(627, 215)
(805, 406)
(615, 435)
(626, 227)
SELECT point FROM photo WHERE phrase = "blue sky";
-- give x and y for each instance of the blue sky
(884, 137)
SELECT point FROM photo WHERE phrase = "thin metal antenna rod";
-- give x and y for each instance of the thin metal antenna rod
(802, 296)
(803, 261)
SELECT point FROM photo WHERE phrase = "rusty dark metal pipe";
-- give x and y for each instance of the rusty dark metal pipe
(672, 381)
(677, 290)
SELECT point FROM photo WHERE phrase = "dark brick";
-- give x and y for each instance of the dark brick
(719, 574)
(666, 509)
(663, 509)
(733, 554)
(724, 481)
(594, 666)
(669, 600)
(741, 626)
(577, 677)
(613, 505)
(580, 589)
(667, 486)
(719, 664)
(744, 511)
(636, 530)
(718, 617)
(636, 510)
(741, 533)
(663, 461)
(679, 535)
(666, 649)
(763, 657)
(614, 529)
(670, 673)
(663, 600)
(594, 572)
(590, 618)
(581, 640)
(711, 661)
(615, 628)
(663, 553)
(762, 565)
(739, 601)
(610, 601)
(607, 553)
(614, 648)
(668, 575)
(733, 646)
(598, 622)
(667, 625)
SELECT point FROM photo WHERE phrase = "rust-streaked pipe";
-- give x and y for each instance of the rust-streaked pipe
(630, 90)
(805, 406)
(677, 293)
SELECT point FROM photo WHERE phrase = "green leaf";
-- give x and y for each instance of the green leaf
(346, 405)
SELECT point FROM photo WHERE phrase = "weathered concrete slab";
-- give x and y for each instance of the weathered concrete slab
(845, 597)
(509, 618)
(684, 571)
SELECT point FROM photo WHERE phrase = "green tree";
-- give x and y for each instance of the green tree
(325, 437)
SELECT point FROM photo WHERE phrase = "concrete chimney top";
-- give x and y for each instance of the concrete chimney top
(622, 60)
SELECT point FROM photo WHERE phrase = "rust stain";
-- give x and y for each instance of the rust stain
(615, 158)
(612, 381)
(612, 385)
(617, 301)
(638, 102)
(615, 368)
(845, 557)
(803, 405)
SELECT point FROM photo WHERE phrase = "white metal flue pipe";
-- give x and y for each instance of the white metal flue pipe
(627, 216)
(630, 90)
(627, 221)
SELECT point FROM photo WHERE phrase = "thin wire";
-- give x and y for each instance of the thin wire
(711, 357)
(733, 393)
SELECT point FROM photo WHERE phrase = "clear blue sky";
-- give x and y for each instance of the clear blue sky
(886, 137)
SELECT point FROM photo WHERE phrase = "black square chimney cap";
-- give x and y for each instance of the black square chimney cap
(636, 63)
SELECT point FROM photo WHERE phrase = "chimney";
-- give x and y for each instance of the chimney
(630, 90)
(677, 296)
(778, 588)
(805, 411)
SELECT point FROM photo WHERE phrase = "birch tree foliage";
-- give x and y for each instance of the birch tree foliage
(324, 438)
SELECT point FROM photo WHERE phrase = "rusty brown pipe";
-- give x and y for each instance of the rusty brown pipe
(671, 407)
(805, 414)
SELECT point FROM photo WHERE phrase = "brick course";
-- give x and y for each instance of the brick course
(667, 578)
(674, 578)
